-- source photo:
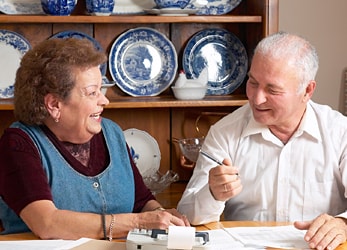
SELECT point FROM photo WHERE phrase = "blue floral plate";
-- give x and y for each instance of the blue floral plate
(144, 150)
(224, 56)
(213, 7)
(143, 62)
(81, 35)
(12, 46)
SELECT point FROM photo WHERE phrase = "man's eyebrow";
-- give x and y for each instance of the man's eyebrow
(249, 74)
(268, 84)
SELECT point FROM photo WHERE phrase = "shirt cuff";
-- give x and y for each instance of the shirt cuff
(209, 208)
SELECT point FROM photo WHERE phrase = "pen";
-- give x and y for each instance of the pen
(213, 159)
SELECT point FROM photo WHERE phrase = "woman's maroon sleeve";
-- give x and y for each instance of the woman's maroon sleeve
(22, 178)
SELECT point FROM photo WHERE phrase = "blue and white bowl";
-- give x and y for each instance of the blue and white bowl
(58, 7)
(172, 4)
(100, 7)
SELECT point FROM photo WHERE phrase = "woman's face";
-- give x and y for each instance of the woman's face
(80, 114)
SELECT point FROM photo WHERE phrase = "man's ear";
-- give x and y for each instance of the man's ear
(309, 90)
(52, 104)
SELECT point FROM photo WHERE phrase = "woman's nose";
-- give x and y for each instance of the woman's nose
(103, 99)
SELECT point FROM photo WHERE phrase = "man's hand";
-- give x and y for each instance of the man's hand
(324, 232)
(224, 181)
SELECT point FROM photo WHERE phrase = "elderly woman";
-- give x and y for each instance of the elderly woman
(65, 172)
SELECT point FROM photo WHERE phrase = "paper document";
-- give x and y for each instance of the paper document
(285, 237)
(41, 244)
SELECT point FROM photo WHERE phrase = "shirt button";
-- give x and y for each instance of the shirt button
(95, 185)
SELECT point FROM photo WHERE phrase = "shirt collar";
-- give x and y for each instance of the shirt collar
(309, 124)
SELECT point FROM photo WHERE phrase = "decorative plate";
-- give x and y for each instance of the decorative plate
(21, 7)
(12, 46)
(224, 56)
(81, 35)
(143, 62)
(122, 7)
(171, 12)
(144, 151)
(213, 7)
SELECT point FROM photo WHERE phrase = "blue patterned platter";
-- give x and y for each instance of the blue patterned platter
(143, 62)
(213, 7)
(21, 7)
(12, 46)
(224, 56)
(81, 35)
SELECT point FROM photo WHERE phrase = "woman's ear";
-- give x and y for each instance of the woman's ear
(52, 104)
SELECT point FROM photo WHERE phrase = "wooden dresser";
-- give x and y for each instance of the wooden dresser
(162, 116)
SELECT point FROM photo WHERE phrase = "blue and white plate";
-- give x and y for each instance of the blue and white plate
(21, 7)
(12, 46)
(81, 35)
(143, 62)
(144, 150)
(213, 7)
(224, 56)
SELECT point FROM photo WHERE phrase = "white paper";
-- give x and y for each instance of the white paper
(41, 244)
(284, 237)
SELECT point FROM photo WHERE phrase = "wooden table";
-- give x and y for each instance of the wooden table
(210, 226)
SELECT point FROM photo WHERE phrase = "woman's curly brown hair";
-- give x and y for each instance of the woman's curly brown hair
(50, 68)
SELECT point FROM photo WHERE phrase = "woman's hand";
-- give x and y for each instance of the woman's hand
(161, 219)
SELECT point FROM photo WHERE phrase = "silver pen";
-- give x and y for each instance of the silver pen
(212, 158)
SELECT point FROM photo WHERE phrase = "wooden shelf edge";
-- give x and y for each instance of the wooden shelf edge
(128, 19)
(171, 102)
(6, 104)
(160, 102)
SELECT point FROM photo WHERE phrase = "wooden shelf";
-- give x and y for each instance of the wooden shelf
(160, 102)
(129, 19)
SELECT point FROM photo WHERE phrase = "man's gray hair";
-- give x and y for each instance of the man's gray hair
(300, 53)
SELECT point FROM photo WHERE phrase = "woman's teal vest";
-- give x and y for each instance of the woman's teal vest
(111, 191)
